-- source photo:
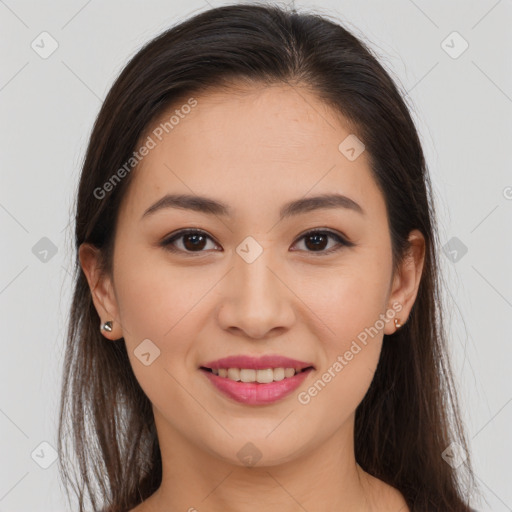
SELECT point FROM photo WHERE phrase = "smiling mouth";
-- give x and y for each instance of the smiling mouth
(263, 376)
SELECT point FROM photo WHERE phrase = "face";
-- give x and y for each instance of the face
(252, 282)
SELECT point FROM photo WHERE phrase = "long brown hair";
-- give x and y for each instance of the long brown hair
(410, 414)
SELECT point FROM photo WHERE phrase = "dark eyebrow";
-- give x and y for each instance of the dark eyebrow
(213, 207)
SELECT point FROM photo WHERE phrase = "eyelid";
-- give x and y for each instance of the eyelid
(342, 240)
(168, 240)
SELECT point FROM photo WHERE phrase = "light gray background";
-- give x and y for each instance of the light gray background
(462, 107)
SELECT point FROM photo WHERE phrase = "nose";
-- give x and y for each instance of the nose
(256, 302)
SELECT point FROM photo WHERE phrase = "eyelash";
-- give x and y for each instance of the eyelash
(167, 243)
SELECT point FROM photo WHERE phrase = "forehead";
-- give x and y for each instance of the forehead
(251, 146)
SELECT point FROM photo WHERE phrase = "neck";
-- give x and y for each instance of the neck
(326, 477)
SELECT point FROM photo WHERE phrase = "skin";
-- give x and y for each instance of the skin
(296, 303)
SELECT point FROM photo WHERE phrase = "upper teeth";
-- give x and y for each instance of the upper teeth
(261, 376)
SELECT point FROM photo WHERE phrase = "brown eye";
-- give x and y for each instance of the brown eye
(196, 241)
(318, 240)
(191, 241)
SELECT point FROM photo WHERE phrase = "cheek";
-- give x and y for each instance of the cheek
(346, 303)
(351, 342)
(348, 308)
(153, 295)
(336, 392)
(158, 303)
(163, 304)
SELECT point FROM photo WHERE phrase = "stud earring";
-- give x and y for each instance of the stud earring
(107, 326)
(397, 323)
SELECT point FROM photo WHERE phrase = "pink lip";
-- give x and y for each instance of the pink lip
(256, 363)
(254, 393)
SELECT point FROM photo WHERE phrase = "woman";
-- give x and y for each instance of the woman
(256, 322)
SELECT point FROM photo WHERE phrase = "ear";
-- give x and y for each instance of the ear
(102, 290)
(407, 281)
